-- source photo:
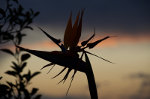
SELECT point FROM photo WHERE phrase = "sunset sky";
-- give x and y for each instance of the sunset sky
(129, 20)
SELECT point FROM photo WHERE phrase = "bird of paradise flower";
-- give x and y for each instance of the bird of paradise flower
(69, 57)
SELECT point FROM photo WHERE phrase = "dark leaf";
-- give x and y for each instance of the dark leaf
(15, 11)
(16, 67)
(34, 91)
(2, 12)
(23, 35)
(28, 76)
(12, 73)
(36, 14)
(20, 9)
(7, 36)
(1, 77)
(25, 57)
(3, 90)
(38, 97)
(34, 74)
(7, 51)
(28, 14)
(91, 45)
(10, 84)
(29, 73)
(27, 94)
(2, 86)
(31, 11)
(28, 27)
(23, 66)
(15, 64)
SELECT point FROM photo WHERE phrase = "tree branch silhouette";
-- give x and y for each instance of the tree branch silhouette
(13, 20)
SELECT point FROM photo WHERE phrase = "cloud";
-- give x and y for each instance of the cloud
(140, 75)
(144, 88)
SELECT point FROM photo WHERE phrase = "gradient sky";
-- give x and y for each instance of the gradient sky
(129, 20)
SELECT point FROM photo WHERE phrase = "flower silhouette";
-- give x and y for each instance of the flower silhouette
(69, 56)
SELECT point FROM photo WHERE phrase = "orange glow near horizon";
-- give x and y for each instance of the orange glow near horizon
(110, 42)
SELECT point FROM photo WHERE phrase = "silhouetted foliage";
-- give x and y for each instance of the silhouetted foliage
(18, 89)
(13, 20)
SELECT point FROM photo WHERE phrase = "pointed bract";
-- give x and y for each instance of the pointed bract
(56, 41)
(74, 32)
(92, 45)
(79, 30)
(47, 65)
(68, 32)
(85, 42)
